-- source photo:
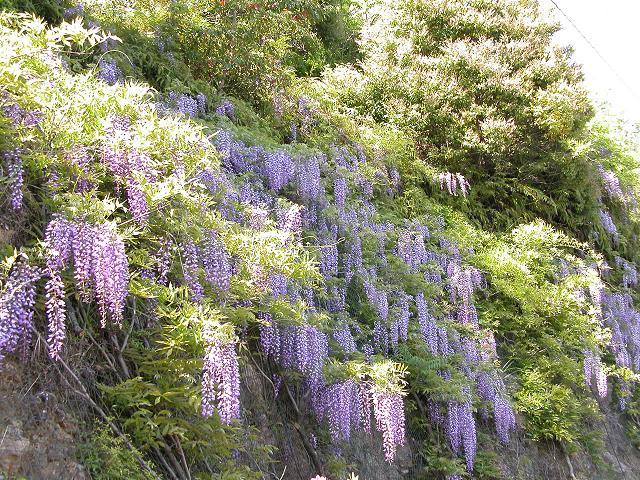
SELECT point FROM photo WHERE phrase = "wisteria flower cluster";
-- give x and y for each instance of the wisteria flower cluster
(453, 183)
(12, 161)
(17, 300)
(608, 224)
(593, 369)
(101, 271)
(611, 183)
(220, 377)
(109, 72)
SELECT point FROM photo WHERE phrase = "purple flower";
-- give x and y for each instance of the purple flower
(504, 418)
(340, 192)
(279, 169)
(16, 309)
(56, 311)
(190, 270)
(308, 178)
(388, 411)
(111, 274)
(201, 100)
(453, 182)
(109, 72)
(345, 340)
(187, 105)
(220, 378)
(217, 263)
(225, 109)
(13, 163)
(611, 183)
(608, 224)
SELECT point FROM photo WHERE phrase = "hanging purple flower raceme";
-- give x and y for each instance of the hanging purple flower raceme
(453, 423)
(79, 157)
(111, 274)
(109, 72)
(201, 100)
(186, 105)
(468, 430)
(76, 11)
(278, 284)
(337, 299)
(485, 387)
(611, 183)
(629, 272)
(454, 183)
(308, 178)
(593, 368)
(624, 320)
(289, 218)
(388, 411)
(329, 253)
(589, 363)
(190, 271)
(394, 176)
(58, 240)
(83, 268)
(163, 261)
(427, 324)
(226, 109)
(380, 337)
(365, 186)
(279, 169)
(220, 378)
(345, 340)
(601, 379)
(137, 201)
(340, 193)
(353, 260)
(312, 349)
(339, 405)
(504, 418)
(217, 263)
(16, 309)
(269, 336)
(12, 160)
(608, 224)
(56, 313)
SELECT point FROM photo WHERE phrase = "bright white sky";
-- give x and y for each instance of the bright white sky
(613, 27)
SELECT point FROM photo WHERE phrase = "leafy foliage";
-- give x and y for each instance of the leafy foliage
(320, 229)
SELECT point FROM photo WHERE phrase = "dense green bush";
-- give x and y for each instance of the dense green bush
(425, 86)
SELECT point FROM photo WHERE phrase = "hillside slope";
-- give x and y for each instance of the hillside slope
(287, 239)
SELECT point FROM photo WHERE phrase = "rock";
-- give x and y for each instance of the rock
(14, 447)
(617, 465)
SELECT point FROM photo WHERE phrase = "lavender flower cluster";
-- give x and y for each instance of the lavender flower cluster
(608, 224)
(127, 168)
(355, 220)
(19, 116)
(624, 321)
(388, 411)
(17, 301)
(101, 271)
(220, 378)
(629, 272)
(226, 109)
(611, 183)
(593, 369)
(109, 72)
(345, 406)
(12, 161)
(454, 183)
